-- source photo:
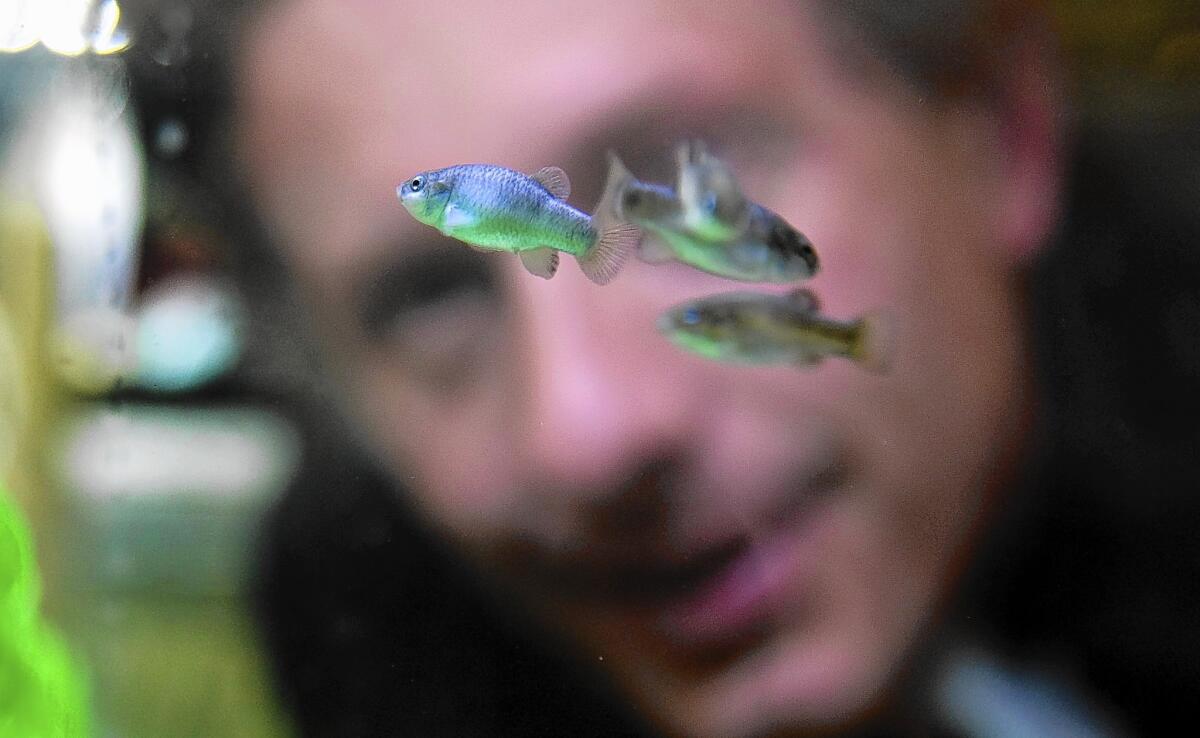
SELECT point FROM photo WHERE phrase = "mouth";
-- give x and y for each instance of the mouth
(718, 594)
(744, 593)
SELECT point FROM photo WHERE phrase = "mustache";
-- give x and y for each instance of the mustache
(629, 517)
(628, 549)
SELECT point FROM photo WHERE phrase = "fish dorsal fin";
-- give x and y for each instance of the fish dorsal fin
(687, 153)
(682, 159)
(615, 238)
(618, 181)
(554, 180)
(542, 261)
(691, 151)
(805, 299)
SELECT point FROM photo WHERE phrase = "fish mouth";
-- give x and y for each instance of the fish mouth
(809, 255)
(667, 322)
(793, 243)
(798, 245)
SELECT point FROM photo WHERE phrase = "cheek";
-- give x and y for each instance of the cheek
(445, 448)
(859, 211)
(901, 228)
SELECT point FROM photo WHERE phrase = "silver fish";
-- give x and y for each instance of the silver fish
(501, 209)
(714, 228)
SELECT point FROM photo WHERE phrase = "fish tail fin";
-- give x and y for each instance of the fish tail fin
(615, 238)
(607, 255)
(872, 347)
(619, 179)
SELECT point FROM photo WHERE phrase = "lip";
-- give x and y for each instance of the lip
(720, 592)
(744, 594)
(638, 583)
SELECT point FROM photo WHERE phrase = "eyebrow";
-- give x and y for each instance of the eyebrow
(412, 274)
(645, 132)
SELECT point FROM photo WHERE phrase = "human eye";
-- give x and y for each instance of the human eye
(753, 151)
(434, 314)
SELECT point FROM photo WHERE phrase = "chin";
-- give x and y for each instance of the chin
(788, 689)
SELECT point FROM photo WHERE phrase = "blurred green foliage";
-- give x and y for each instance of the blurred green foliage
(42, 692)
(179, 667)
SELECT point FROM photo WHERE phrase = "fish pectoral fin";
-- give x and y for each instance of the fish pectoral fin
(542, 261)
(654, 251)
(805, 299)
(454, 217)
(554, 180)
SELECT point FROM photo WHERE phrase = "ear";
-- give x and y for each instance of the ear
(1030, 109)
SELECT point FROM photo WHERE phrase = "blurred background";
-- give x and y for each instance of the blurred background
(143, 418)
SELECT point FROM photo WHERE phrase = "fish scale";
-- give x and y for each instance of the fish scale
(516, 212)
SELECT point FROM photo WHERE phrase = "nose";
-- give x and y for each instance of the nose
(597, 399)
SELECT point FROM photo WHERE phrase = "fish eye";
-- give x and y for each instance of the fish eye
(691, 316)
(710, 203)
(416, 184)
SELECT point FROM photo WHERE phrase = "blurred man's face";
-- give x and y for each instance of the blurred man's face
(742, 549)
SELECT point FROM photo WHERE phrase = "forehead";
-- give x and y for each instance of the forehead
(342, 101)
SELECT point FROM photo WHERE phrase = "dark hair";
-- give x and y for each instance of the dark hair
(1094, 563)
(944, 49)
(1092, 567)
(373, 628)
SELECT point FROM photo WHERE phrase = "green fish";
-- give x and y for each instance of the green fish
(499, 209)
(756, 328)
(707, 223)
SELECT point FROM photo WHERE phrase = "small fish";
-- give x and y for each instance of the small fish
(756, 328)
(500, 209)
(706, 223)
